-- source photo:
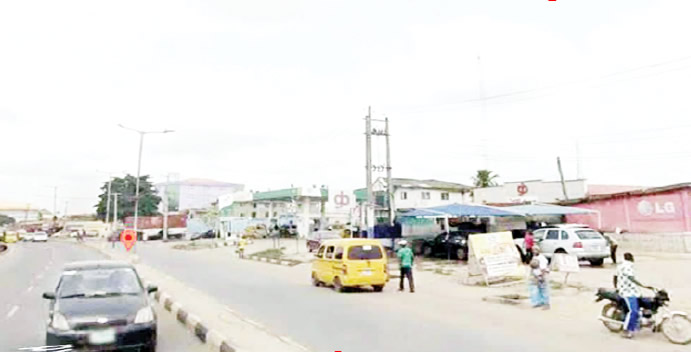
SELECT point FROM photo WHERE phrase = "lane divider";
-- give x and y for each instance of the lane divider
(273, 261)
(12, 311)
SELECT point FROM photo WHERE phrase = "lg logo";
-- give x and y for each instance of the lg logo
(647, 208)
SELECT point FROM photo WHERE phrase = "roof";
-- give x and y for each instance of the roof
(97, 264)
(429, 184)
(638, 192)
(205, 182)
(547, 209)
(458, 210)
(610, 189)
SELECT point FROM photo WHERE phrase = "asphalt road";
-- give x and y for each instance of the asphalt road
(324, 320)
(28, 270)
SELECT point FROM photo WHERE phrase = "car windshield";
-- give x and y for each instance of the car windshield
(364, 252)
(588, 235)
(99, 282)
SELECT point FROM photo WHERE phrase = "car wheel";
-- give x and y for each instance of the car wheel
(315, 281)
(378, 288)
(596, 262)
(460, 253)
(338, 286)
(426, 251)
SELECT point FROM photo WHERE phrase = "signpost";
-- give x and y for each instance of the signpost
(493, 256)
(566, 263)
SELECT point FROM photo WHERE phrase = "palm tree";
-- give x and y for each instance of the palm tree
(484, 178)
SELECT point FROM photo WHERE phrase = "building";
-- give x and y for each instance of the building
(304, 207)
(24, 212)
(655, 219)
(195, 193)
(543, 191)
(411, 193)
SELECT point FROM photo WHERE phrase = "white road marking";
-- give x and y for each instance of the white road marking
(39, 276)
(12, 311)
(29, 289)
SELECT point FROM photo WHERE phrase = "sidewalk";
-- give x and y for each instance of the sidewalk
(241, 333)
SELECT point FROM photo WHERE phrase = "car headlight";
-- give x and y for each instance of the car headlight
(59, 322)
(144, 315)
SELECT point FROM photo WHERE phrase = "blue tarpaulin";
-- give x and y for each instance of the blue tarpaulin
(457, 210)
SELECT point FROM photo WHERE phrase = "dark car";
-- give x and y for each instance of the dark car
(101, 305)
(453, 245)
(200, 235)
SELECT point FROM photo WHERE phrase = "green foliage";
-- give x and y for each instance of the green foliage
(6, 220)
(126, 187)
(484, 178)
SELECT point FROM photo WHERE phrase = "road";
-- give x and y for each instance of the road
(282, 299)
(28, 270)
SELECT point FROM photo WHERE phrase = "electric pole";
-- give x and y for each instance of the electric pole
(389, 183)
(561, 174)
(165, 208)
(368, 139)
(108, 200)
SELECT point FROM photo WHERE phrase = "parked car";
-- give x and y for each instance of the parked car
(28, 237)
(200, 235)
(350, 262)
(585, 243)
(40, 236)
(315, 239)
(453, 244)
(10, 237)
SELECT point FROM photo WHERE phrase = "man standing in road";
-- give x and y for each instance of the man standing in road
(405, 255)
(539, 270)
(612, 246)
(627, 287)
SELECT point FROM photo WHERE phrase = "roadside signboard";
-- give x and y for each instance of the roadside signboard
(567, 263)
(494, 256)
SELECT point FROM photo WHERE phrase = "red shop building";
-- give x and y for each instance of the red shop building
(651, 210)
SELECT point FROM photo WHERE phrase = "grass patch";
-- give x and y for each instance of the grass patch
(271, 253)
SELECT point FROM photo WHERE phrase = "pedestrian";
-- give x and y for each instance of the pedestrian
(241, 247)
(539, 280)
(528, 243)
(405, 255)
(612, 246)
(627, 287)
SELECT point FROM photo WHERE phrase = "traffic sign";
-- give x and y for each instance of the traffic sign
(128, 238)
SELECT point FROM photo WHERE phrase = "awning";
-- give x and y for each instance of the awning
(457, 210)
(548, 209)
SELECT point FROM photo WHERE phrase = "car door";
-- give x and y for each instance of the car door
(550, 243)
(318, 264)
(329, 264)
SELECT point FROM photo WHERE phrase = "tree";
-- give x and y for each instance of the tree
(6, 220)
(126, 187)
(484, 178)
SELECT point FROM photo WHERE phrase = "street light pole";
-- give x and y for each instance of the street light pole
(139, 167)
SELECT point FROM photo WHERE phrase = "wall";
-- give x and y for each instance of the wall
(535, 191)
(201, 196)
(650, 213)
(414, 199)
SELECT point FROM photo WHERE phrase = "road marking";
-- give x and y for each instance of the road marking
(12, 311)
(29, 289)
(39, 276)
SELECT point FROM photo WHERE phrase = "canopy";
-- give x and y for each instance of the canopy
(457, 210)
(548, 209)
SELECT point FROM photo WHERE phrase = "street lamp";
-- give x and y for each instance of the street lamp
(139, 167)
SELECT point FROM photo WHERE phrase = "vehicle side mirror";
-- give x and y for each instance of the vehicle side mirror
(49, 295)
(151, 288)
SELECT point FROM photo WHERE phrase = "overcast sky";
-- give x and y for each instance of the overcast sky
(273, 93)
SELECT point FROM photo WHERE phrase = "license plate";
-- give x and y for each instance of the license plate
(102, 337)
(367, 273)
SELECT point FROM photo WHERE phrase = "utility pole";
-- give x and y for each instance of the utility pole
(368, 140)
(389, 183)
(55, 201)
(115, 208)
(64, 215)
(561, 175)
(108, 200)
(165, 208)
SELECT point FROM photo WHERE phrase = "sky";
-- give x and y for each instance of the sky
(274, 93)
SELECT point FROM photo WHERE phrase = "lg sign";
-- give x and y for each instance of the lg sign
(647, 208)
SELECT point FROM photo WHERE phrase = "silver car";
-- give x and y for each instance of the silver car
(583, 242)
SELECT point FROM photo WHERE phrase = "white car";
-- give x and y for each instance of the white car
(585, 243)
(40, 237)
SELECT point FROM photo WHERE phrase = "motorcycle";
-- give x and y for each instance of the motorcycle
(675, 325)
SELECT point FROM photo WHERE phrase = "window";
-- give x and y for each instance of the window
(425, 195)
(267, 215)
(445, 196)
(329, 252)
(320, 252)
(364, 252)
(588, 235)
(254, 214)
(275, 214)
(564, 235)
(339, 253)
(539, 234)
(404, 195)
(552, 235)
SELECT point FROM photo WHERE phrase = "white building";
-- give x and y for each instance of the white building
(195, 193)
(24, 212)
(530, 191)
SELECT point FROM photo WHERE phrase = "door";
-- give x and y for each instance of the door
(328, 264)
(550, 243)
(319, 266)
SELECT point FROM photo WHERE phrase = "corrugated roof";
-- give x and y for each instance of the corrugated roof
(594, 190)
(638, 192)
(431, 184)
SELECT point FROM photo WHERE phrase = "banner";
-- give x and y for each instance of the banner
(494, 256)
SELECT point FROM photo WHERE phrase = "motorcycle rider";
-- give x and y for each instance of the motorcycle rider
(627, 287)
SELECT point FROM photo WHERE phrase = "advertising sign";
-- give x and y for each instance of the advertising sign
(494, 256)
(567, 263)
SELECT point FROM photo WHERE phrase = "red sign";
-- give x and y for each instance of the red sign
(128, 238)
(522, 189)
